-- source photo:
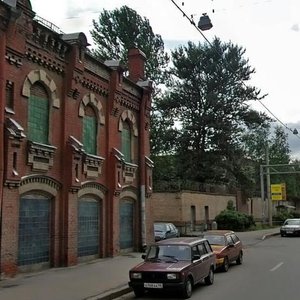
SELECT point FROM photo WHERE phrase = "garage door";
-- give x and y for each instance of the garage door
(34, 230)
(88, 227)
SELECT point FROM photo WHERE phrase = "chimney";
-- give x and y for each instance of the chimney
(136, 64)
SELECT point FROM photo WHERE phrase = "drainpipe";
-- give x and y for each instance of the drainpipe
(142, 172)
(143, 216)
(2, 108)
(144, 149)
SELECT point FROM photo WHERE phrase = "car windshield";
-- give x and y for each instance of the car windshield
(215, 239)
(167, 252)
(160, 227)
(292, 222)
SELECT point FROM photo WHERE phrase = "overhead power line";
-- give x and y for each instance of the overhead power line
(293, 131)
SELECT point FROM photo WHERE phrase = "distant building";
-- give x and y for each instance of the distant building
(75, 173)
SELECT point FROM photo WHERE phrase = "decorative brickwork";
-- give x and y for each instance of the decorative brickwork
(56, 100)
(40, 156)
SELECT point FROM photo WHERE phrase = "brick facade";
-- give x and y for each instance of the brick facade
(35, 55)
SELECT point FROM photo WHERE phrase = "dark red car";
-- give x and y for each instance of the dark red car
(175, 264)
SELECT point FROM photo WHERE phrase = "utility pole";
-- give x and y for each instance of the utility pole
(268, 170)
(270, 205)
(262, 193)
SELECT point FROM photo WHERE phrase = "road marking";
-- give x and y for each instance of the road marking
(276, 267)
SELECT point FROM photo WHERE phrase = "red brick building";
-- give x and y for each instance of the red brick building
(75, 173)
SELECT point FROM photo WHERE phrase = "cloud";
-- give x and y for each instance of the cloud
(77, 9)
(295, 27)
(172, 44)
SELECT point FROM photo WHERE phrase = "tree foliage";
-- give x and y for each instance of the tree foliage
(279, 150)
(254, 143)
(121, 29)
(114, 34)
(208, 97)
(280, 156)
(202, 127)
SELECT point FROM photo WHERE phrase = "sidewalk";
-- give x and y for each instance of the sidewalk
(102, 279)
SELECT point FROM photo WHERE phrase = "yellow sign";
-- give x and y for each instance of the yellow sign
(278, 191)
(283, 189)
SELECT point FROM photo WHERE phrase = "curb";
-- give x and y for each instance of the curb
(269, 235)
(112, 293)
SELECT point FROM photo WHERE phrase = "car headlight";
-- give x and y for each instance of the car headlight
(172, 276)
(136, 275)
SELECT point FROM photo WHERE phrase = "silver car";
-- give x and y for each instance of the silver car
(290, 227)
(164, 231)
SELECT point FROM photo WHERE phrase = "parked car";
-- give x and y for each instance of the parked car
(290, 227)
(227, 247)
(175, 264)
(164, 231)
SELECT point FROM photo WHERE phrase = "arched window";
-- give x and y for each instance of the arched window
(126, 141)
(38, 114)
(90, 131)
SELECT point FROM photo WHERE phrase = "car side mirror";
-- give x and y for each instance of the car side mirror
(143, 256)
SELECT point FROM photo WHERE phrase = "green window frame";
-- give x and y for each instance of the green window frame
(38, 119)
(126, 141)
(90, 134)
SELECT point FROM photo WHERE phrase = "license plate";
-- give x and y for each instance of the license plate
(289, 232)
(153, 285)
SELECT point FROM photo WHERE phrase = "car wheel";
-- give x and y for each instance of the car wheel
(188, 288)
(225, 266)
(209, 279)
(239, 260)
(138, 292)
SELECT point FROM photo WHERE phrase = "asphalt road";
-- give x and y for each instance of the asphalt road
(271, 271)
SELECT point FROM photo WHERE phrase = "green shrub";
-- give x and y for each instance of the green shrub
(281, 216)
(295, 214)
(234, 220)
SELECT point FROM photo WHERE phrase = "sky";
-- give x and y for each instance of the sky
(269, 30)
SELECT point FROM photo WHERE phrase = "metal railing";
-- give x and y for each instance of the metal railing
(48, 24)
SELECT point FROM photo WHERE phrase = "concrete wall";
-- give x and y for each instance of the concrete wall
(215, 204)
(183, 207)
(257, 208)
(177, 208)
